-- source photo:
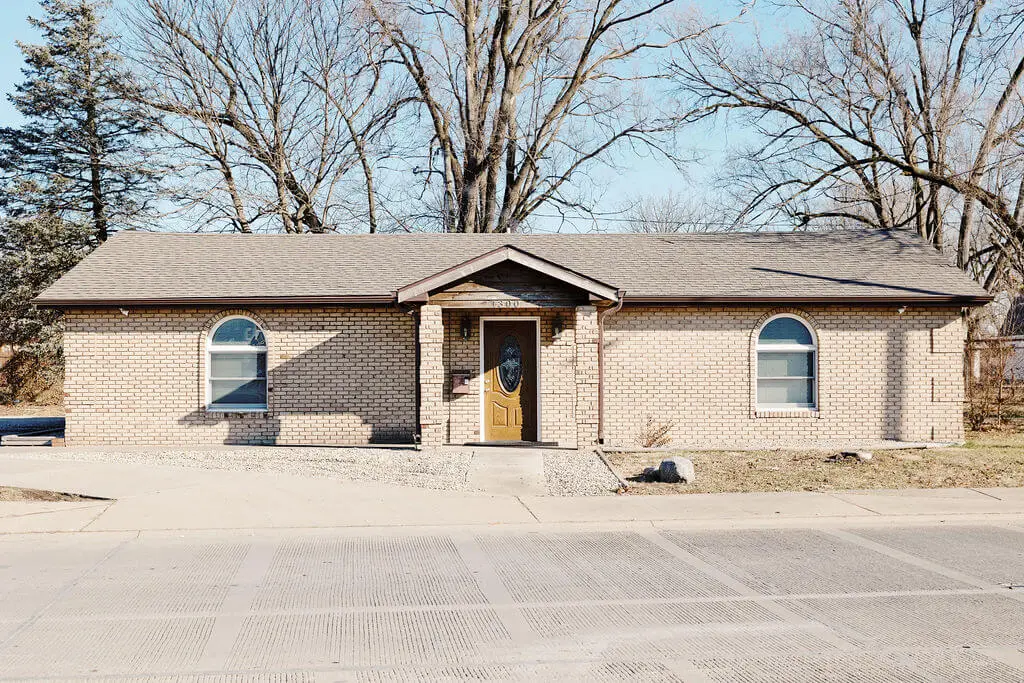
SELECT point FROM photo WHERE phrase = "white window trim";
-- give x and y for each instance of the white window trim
(498, 318)
(782, 348)
(235, 348)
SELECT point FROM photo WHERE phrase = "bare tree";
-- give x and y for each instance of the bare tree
(674, 212)
(78, 153)
(522, 97)
(271, 105)
(887, 113)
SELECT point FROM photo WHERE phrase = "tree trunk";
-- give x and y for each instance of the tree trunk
(96, 198)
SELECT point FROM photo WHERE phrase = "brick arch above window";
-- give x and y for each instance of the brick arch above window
(212, 321)
(820, 395)
(768, 315)
(203, 339)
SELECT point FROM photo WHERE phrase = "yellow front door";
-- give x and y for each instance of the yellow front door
(510, 380)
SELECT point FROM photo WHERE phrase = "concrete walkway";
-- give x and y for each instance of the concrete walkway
(507, 471)
(147, 497)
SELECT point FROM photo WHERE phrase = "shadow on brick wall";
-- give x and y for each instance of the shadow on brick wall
(896, 389)
(350, 389)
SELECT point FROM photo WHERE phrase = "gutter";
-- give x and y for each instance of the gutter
(372, 299)
(936, 299)
(601, 315)
(378, 299)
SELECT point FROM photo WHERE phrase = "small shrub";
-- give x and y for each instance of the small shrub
(987, 391)
(33, 374)
(655, 434)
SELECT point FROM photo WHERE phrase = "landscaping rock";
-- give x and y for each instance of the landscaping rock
(861, 456)
(675, 470)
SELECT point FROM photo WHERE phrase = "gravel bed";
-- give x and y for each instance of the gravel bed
(577, 473)
(566, 473)
(433, 469)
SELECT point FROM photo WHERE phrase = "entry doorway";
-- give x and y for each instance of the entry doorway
(510, 370)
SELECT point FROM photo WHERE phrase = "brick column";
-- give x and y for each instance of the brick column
(431, 376)
(586, 376)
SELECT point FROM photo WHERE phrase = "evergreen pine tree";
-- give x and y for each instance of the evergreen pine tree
(34, 251)
(73, 172)
(79, 153)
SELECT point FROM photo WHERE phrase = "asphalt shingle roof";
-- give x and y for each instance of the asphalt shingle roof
(141, 267)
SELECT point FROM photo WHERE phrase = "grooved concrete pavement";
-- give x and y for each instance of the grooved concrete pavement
(278, 578)
(898, 603)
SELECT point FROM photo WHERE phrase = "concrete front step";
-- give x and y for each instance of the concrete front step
(18, 440)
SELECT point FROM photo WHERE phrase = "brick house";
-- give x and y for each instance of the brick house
(728, 339)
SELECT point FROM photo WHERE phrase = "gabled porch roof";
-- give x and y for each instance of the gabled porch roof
(418, 291)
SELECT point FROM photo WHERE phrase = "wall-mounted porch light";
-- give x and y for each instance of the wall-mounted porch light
(466, 327)
(557, 326)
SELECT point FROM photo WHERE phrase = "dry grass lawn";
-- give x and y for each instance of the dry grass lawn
(988, 459)
(13, 494)
(30, 410)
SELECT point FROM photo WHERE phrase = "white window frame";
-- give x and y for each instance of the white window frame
(235, 348)
(536, 319)
(781, 348)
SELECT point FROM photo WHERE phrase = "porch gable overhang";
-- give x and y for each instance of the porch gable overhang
(419, 291)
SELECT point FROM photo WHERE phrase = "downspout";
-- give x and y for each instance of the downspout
(601, 315)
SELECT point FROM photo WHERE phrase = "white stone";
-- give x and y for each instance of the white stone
(674, 470)
(861, 456)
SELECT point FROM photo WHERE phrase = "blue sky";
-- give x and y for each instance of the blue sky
(14, 26)
(650, 176)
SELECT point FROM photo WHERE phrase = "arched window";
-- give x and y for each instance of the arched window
(236, 366)
(786, 365)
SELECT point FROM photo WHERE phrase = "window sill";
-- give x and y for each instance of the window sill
(224, 410)
(807, 413)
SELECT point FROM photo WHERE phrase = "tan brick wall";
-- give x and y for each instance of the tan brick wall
(557, 380)
(336, 376)
(347, 376)
(587, 375)
(432, 376)
(880, 375)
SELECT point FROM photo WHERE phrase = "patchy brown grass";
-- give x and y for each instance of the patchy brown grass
(30, 410)
(988, 459)
(14, 494)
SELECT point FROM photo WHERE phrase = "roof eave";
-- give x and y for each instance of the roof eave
(59, 302)
(951, 299)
